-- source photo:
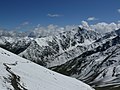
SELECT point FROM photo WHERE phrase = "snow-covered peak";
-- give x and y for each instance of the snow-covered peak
(17, 73)
(85, 25)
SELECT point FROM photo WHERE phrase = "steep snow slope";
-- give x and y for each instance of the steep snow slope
(17, 73)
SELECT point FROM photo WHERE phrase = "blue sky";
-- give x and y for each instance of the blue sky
(15, 13)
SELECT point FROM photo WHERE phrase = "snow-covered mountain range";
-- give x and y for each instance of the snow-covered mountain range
(81, 52)
(56, 50)
(17, 73)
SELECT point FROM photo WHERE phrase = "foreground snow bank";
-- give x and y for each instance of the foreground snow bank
(20, 74)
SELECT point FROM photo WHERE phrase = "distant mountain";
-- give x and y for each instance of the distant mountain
(58, 49)
(17, 73)
(15, 44)
(98, 66)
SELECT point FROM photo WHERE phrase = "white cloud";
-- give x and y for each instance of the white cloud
(41, 31)
(119, 10)
(105, 27)
(92, 19)
(25, 23)
(51, 29)
(54, 15)
(22, 25)
(118, 21)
